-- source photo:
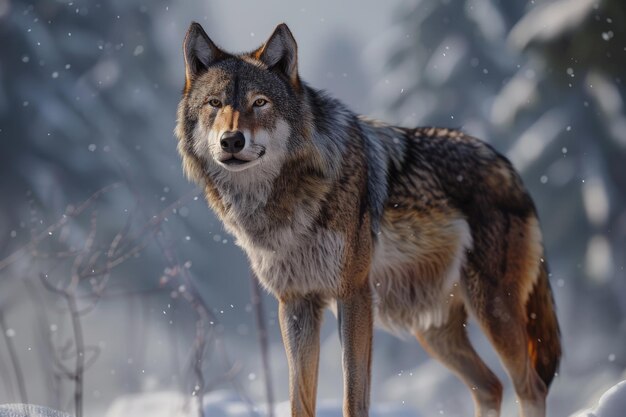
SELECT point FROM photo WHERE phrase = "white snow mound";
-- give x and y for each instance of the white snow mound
(611, 404)
(28, 410)
(154, 404)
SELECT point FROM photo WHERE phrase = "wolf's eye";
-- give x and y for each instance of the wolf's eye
(213, 102)
(260, 102)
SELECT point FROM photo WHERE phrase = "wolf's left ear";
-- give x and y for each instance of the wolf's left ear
(199, 50)
(280, 53)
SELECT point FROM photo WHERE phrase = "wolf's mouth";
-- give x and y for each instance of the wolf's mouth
(232, 161)
(235, 162)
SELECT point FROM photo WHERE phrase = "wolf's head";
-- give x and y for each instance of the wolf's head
(240, 111)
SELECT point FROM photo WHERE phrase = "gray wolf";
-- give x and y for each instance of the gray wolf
(414, 227)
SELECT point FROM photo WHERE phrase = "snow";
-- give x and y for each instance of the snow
(228, 404)
(549, 21)
(28, 410)
(333, 409)
(155, 404)
(223, 403)
(611, 404)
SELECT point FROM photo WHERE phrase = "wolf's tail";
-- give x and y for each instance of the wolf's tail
(544, 335)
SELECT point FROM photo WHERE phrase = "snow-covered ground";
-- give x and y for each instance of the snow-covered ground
(227, 404)
(611, 404)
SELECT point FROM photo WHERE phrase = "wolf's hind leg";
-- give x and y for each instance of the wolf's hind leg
(504, 267)
(451, 346)
(508, 336)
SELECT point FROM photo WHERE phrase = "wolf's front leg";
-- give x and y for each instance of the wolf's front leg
(355, 330)
(300, 321)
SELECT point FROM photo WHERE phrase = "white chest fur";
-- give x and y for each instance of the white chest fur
(305, 264)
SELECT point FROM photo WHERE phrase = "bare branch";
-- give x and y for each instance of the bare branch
(257, 304)
(79, 367)
(17, 369)
(44, 280)
(95, 354)
(71, 212)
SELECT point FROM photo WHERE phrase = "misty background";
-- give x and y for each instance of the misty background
(88, 94)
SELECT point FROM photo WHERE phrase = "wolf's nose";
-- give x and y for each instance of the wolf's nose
(233, 142)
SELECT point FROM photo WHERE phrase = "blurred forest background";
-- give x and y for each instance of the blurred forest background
(115, 276)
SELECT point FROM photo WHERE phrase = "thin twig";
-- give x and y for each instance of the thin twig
(79, 366)
(257, 304)
(71, 212)
(17, 369)
(45, 335)
(238, 387)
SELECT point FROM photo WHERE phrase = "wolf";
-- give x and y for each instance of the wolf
(414, 228)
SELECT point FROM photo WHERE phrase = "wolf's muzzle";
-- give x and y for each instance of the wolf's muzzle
(232, 141)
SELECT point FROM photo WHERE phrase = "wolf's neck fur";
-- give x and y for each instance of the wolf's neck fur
(288, 194)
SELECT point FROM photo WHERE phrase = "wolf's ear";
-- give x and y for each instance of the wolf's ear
(280, 53)
(199, 50)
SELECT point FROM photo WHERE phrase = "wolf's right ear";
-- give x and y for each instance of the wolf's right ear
(199, 50)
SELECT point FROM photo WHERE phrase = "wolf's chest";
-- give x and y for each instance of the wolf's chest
(302, 264)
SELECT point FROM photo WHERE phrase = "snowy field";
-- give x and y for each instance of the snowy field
(227, 404)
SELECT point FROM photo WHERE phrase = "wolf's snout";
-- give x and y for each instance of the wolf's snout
(233, 142)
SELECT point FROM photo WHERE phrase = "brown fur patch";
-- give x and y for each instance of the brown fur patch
(224, 119)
